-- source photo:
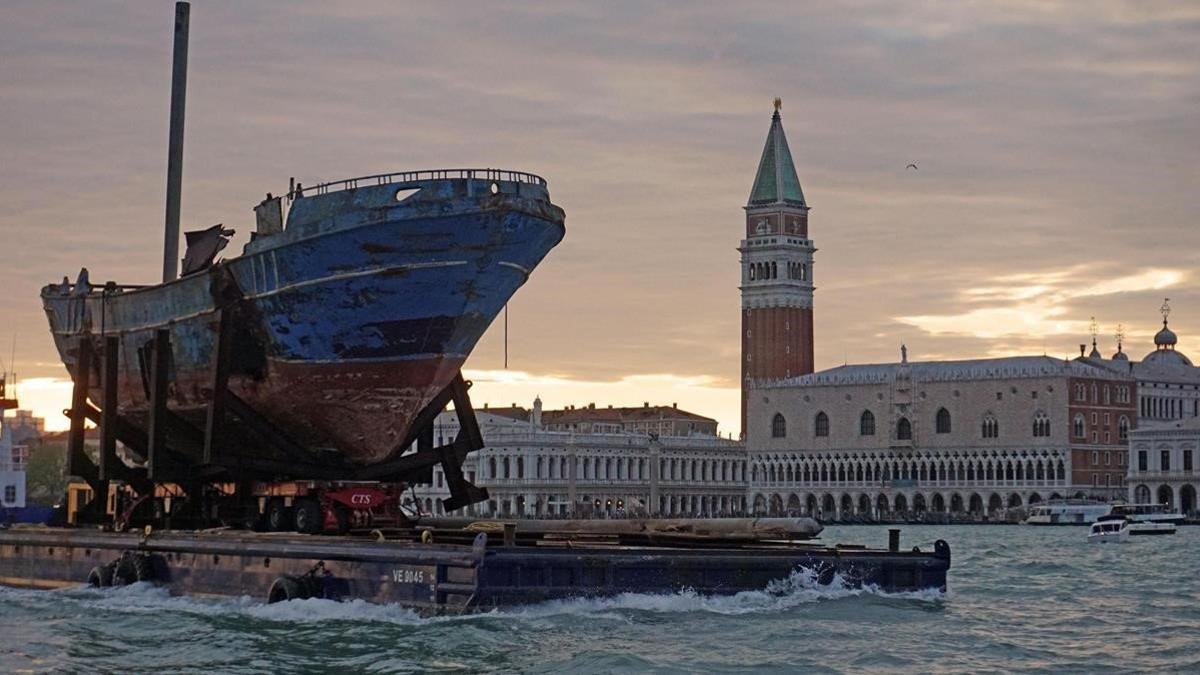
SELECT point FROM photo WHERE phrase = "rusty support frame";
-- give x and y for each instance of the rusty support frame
(215, 422)
(462, 492)
(109, 409)
(78, 463)
(156, 452)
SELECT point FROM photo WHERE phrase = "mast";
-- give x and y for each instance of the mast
(175, 144)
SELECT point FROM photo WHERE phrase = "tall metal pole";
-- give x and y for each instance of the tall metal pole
(175, 145)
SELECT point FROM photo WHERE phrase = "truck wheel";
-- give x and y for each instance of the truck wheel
(101, 576)
(309, 519)
(278, 516)
(252, 520)
(286, 588)
(342, 515)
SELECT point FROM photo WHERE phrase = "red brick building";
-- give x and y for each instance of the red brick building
(777, 271)
(1102, 412)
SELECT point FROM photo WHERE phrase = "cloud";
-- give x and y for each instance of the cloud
(1036, 304)
(1052, 136)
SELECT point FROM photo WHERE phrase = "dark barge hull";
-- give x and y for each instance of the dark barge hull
(440, 578)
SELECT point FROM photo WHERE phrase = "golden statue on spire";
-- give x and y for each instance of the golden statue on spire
(778, 103)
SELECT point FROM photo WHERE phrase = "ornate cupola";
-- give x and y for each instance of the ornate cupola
(1164, 343)
(777, 270)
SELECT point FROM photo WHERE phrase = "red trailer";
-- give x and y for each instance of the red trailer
(312, 507)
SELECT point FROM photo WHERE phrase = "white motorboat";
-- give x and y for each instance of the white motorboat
(1109, 529)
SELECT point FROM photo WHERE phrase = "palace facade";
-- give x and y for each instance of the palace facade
(603, 465)
(971, 438)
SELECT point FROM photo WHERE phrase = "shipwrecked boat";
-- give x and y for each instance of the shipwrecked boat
(350, 319)
(339, 327)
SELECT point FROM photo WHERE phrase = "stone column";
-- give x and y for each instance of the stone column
(572, 471)
(655, 450)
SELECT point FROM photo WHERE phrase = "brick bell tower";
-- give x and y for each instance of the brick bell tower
(777, 271)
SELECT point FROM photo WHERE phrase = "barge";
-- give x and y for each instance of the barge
(451, 571)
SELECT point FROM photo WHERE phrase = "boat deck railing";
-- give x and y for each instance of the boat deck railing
(501, 175)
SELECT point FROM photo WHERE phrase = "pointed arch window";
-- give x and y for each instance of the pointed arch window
(866, 424)
(1077, 425)
(778, 426)
(904, 429)
(821, 424)
(990, 427)
(1041, 425)
(1123, 428)
(942, 423)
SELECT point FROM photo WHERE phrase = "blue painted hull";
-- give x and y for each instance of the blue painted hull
(352, 319)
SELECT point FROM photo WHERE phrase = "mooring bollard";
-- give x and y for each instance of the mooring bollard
(894, 540)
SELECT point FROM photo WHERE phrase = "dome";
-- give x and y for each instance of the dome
(1167, 357)
(1120, 355)
(1165, 337)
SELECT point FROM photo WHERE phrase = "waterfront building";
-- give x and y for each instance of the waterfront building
(969, 437)
(13, 457)
(1168, 382)
(1162, 464)
(588, 462)
(27, 429)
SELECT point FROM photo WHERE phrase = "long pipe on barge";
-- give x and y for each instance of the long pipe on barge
(175, 142)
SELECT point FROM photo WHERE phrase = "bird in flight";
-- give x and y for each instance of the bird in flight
(912, 166)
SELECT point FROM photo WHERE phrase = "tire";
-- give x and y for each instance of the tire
(279, 517)
(342, 515)
(286, 588)
(309, 519)
(252, 520)
(143, 566)
(101, 576)
(125, 572)
(131, 568)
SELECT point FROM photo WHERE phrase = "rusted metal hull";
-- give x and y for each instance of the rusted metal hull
(447, 578)
(348, 323)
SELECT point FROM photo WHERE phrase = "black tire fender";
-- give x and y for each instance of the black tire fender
(286, 588)
(125, 572)
(101, 576)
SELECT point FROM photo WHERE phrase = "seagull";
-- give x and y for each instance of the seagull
(912, 166)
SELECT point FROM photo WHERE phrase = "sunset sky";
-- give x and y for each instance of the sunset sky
(1057, 144)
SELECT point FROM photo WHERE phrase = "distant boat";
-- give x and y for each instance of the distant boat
(1147, 513)
(1066, 512)
(349, 320)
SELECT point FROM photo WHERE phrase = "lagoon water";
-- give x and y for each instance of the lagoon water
(1020, 598)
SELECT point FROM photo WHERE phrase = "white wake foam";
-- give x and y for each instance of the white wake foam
(800, 588)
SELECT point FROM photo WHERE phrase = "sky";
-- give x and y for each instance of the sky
(1057, 145)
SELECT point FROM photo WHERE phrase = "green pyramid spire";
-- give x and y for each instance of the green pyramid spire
(776, 180)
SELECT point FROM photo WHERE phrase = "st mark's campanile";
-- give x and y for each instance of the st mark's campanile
(777, 271)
